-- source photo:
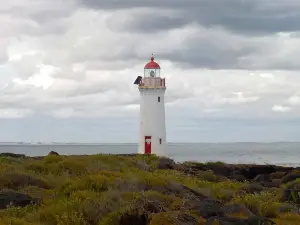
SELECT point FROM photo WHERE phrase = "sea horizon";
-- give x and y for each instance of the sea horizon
(130, 143)
(277, 153)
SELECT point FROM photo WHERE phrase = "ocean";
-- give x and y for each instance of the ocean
(281, 153)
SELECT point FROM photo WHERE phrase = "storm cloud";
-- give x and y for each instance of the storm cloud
(256, 17)
(74, 62)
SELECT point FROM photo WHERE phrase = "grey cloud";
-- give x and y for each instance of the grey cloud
(146, 22)
(206, 55)
(209, 50)
(84, 90)
(3, 57)
(39, 11)
(16, 101)
(57, 27)
(84, 97)
(256, 16)
(40, 16)
(46, 16)
(88, 54)
(219, 50)
(19, 27)
(214, 51)
(277, 64)
(149, 24)
(3, 51)
(68, 74)
(35, 18)
(121, 62)
(26, 66)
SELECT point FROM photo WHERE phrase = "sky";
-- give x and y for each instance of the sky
(67, 69)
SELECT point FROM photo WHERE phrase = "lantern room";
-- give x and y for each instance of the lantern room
(151, 77)
(152, 69)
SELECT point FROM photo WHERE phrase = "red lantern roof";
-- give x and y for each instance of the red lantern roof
(152, 64)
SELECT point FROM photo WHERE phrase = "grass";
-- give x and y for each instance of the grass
(111, 189)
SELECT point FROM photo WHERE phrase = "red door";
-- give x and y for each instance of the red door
(147, 144)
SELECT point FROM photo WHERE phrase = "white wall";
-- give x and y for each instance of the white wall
(152, 120)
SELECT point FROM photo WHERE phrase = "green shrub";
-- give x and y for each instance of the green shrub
(262, 204)
(107, 189)
(16, 180)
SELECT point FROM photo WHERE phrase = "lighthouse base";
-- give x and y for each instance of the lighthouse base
(149, 146)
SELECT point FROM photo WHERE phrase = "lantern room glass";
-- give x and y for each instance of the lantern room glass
(151, 72)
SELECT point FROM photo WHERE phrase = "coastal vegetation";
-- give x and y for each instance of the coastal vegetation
(144, 190)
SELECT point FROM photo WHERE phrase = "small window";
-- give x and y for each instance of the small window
(158, 99)
(160, 141)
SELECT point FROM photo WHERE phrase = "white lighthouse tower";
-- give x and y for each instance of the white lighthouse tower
(152, 87)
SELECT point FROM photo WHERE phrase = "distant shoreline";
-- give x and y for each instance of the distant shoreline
(135, 143)
(277, 153)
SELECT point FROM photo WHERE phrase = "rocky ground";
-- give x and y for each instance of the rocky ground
(144, 190)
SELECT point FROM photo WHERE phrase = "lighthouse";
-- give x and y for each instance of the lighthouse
(152, 130)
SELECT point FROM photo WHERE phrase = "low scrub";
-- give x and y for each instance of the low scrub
(142, 190)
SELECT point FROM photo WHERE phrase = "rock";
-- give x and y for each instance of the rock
(217, 168)
(241, 172)
(206, 208)
(252, 188)
(262, 178)
(195, 195)
(133, 218)
(175, 188)
(13, 155)
(250, 172)
(293, 185)
(127, 155)
(53, 153)
(266, 181)
(239, 178)
(153, 206)
(272, 184)
(291, 195)
(236, 209)
(186, 219)
(175, 218)
(288, 208)
(9, 197)
(166, 163)
(142, 165)
(222, 220)
(277, 175)
(290, 177)
(253, 220)
(210, 176)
